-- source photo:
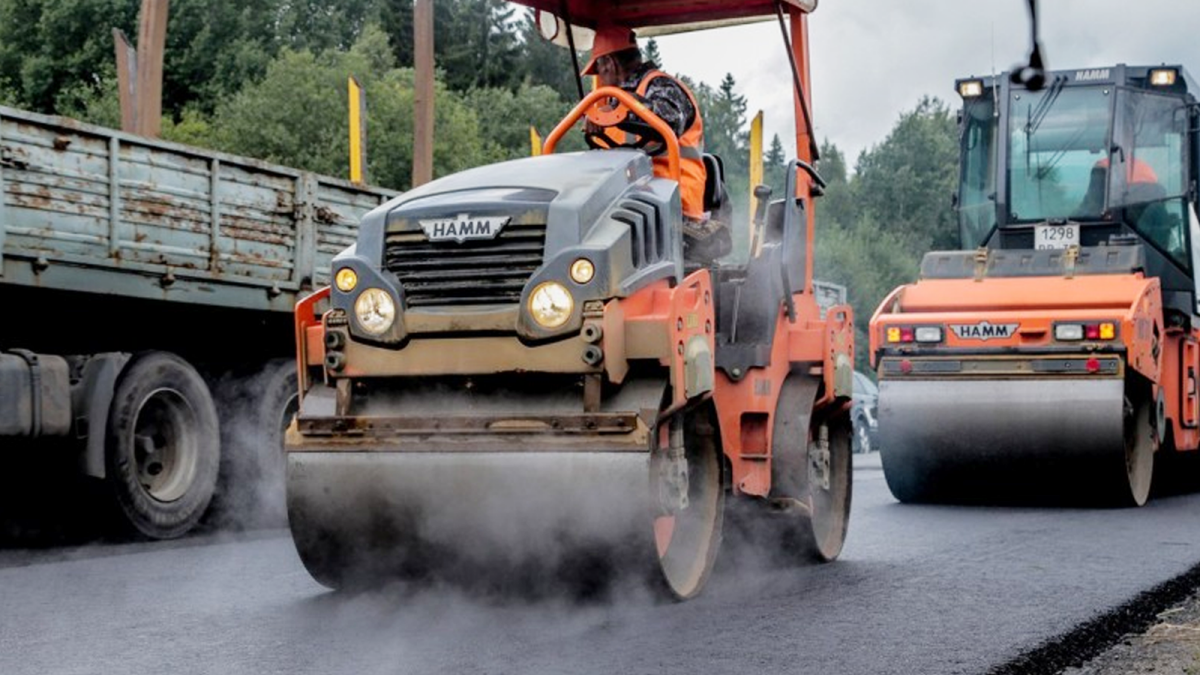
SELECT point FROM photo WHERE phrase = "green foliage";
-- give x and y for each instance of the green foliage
(505, 117)
(51, 51)
(476, 43)
(725, 122)
(874, 226)
(906, 182)
(650, 53)
(297, 116)
(267, 78)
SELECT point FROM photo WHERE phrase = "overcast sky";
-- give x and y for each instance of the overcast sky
(873, 59)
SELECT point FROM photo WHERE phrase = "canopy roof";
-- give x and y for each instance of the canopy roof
(644, 13)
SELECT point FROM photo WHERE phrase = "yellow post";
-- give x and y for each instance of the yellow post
(535, 141)
(756, 158)
(358, 132)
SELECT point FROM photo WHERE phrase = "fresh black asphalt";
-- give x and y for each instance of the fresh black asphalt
(919, 589)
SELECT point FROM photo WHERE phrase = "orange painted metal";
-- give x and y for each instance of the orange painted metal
(308, 325)
(665, 320)
(1168, 358)
(597, 108)
(804, 142)
(638, 13)
(811, 345)
(1034, 304)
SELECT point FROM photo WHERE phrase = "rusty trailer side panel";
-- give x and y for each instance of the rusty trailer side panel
(92, 209)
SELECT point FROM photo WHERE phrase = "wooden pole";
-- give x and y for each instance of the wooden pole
(423, 92)
(126, 80)
(152, 41)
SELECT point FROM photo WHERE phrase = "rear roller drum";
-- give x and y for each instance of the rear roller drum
(811, 474)
(688, 491)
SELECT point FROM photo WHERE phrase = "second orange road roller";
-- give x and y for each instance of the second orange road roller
(1058, 354)
(519, 366)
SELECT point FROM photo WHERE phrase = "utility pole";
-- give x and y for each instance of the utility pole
(140, 73)
(423, 92)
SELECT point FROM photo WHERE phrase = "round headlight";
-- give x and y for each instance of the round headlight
(345, 280)
(375, 310)
(582, 271)
(551, 304)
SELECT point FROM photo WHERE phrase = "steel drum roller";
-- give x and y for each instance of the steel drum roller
(941, 438)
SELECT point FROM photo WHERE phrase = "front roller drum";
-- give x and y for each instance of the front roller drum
(362, 517)
(1017, 441)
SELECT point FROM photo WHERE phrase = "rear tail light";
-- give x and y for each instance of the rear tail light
(1073, 332)
(910, 334)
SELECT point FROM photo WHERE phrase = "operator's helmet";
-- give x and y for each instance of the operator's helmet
(609, 40)
(1137, 171)
(1139, 176)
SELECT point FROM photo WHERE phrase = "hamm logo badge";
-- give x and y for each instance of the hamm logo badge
(984, 330)
(464, 227)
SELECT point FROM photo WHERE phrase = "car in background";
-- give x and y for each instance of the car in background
(864, 413)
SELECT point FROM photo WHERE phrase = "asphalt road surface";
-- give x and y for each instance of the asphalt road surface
(918, 590)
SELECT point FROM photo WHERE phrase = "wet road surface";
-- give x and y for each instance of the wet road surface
(919, 589)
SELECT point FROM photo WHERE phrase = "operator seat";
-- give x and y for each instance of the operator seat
(705, 241)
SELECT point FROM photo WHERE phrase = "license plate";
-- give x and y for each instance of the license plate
(1055, 236)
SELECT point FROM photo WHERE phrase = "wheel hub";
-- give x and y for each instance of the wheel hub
(673, 473)
(818, 459)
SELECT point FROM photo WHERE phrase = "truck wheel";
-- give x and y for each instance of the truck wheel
(255, 412)
(162, 450)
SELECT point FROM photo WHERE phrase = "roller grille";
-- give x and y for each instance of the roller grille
(484, 272)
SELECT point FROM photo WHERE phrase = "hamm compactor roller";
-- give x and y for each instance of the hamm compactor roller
(1060, 354)
(520, 365)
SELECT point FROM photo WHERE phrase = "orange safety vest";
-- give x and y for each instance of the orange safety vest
(692, 174)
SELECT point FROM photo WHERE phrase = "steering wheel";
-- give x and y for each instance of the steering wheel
(609, 107)
(605, 114)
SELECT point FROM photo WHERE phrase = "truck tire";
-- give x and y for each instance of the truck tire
(255, 411)
(162, 449)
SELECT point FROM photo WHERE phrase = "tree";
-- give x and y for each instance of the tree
(725, 123)
(505, 118)
(52, 51)
(296, 115)
(651, 54)
(907, 180)
(774, 165)
(542, 62)
(876, 224)
(477, 43)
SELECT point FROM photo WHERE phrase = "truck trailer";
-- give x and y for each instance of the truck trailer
(139, 278)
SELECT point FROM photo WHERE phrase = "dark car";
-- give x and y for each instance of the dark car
(864, 413)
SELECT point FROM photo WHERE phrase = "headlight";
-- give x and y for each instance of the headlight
(551, 304)
(582, 271)
(375, 310)
(346, 280)
(970, 88)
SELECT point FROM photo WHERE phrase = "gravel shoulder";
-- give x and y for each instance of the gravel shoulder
(1171, 646)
